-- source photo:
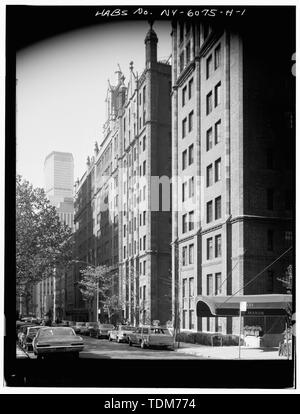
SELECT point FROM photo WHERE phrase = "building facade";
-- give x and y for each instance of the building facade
(131, 226)
(232, 183)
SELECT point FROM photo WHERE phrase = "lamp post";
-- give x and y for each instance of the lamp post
(54, 294)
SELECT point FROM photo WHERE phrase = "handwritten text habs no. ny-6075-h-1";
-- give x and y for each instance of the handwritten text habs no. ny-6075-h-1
(172, 12)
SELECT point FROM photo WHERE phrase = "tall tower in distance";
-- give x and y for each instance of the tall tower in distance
(59, 176)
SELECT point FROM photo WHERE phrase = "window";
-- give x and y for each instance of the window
(144, 218)
(217, 284)
(191, 83)
(191, 154)
(208, 66)
(217, 56)
(144, 267)
(140, 219)
(191, 254)
(209, 211)
(191, 220)
(144, 143)
(209, 175)
(209, 285)
(191, 114)
(184, 223)
(144, 243)
(181, 31)
(270, 281)
(209, 248)
(208, 103)
(191, 187)
(184, 256)
(144, 94)
(218, 246)
(191, 287)
(184, 128)
(184, 95)
(184, 159)
(124, 230)
(144, 167)
(192, 319)
(184, 186)
(217, 94)
(184, 324)
(209, 140)
(144, 192)
(218, 208)
(188, 53)
(270, 198)
(144, 117)
(218, 170)
(270, 241)
(181, 62)
(124, 252)
(288, 235)
(144, 292)
(217, 132)
(184, 286)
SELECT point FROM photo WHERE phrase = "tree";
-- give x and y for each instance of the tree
(101, 280)
(42, 241)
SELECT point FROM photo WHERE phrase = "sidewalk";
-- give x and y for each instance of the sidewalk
(228, 352)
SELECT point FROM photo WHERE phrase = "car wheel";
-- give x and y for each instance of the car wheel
(129, 343)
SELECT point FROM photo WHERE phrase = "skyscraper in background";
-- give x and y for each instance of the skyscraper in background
(59, 176)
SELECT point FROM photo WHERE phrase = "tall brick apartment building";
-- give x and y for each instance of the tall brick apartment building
(123, 226)
(232, 140)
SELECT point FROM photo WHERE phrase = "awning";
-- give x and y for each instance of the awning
(257, 305)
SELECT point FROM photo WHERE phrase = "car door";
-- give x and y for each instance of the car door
(136, 336)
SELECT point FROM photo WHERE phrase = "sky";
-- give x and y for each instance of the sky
(61, 90)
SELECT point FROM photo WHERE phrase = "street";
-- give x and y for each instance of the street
(102, 348)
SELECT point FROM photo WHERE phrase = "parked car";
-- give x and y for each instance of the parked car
(21, 329)
(82, 328)
(120, 333)
(50, 340)
(151, 336)
(27, 336)
(104, 329)
(93, 328)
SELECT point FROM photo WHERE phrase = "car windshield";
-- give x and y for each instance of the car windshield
(33, 330)
(107, 326)
(93, 324)
(56, 332)
(127, 328)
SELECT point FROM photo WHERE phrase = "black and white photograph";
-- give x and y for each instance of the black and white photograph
(150, 181)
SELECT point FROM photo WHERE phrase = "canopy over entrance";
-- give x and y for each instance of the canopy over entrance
(257, 305)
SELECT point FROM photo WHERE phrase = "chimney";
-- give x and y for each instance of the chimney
(151, 41)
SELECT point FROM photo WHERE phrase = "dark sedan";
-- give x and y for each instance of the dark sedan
(51, 340)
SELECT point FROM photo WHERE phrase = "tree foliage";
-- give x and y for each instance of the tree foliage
(42, 240)
(101, 279)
